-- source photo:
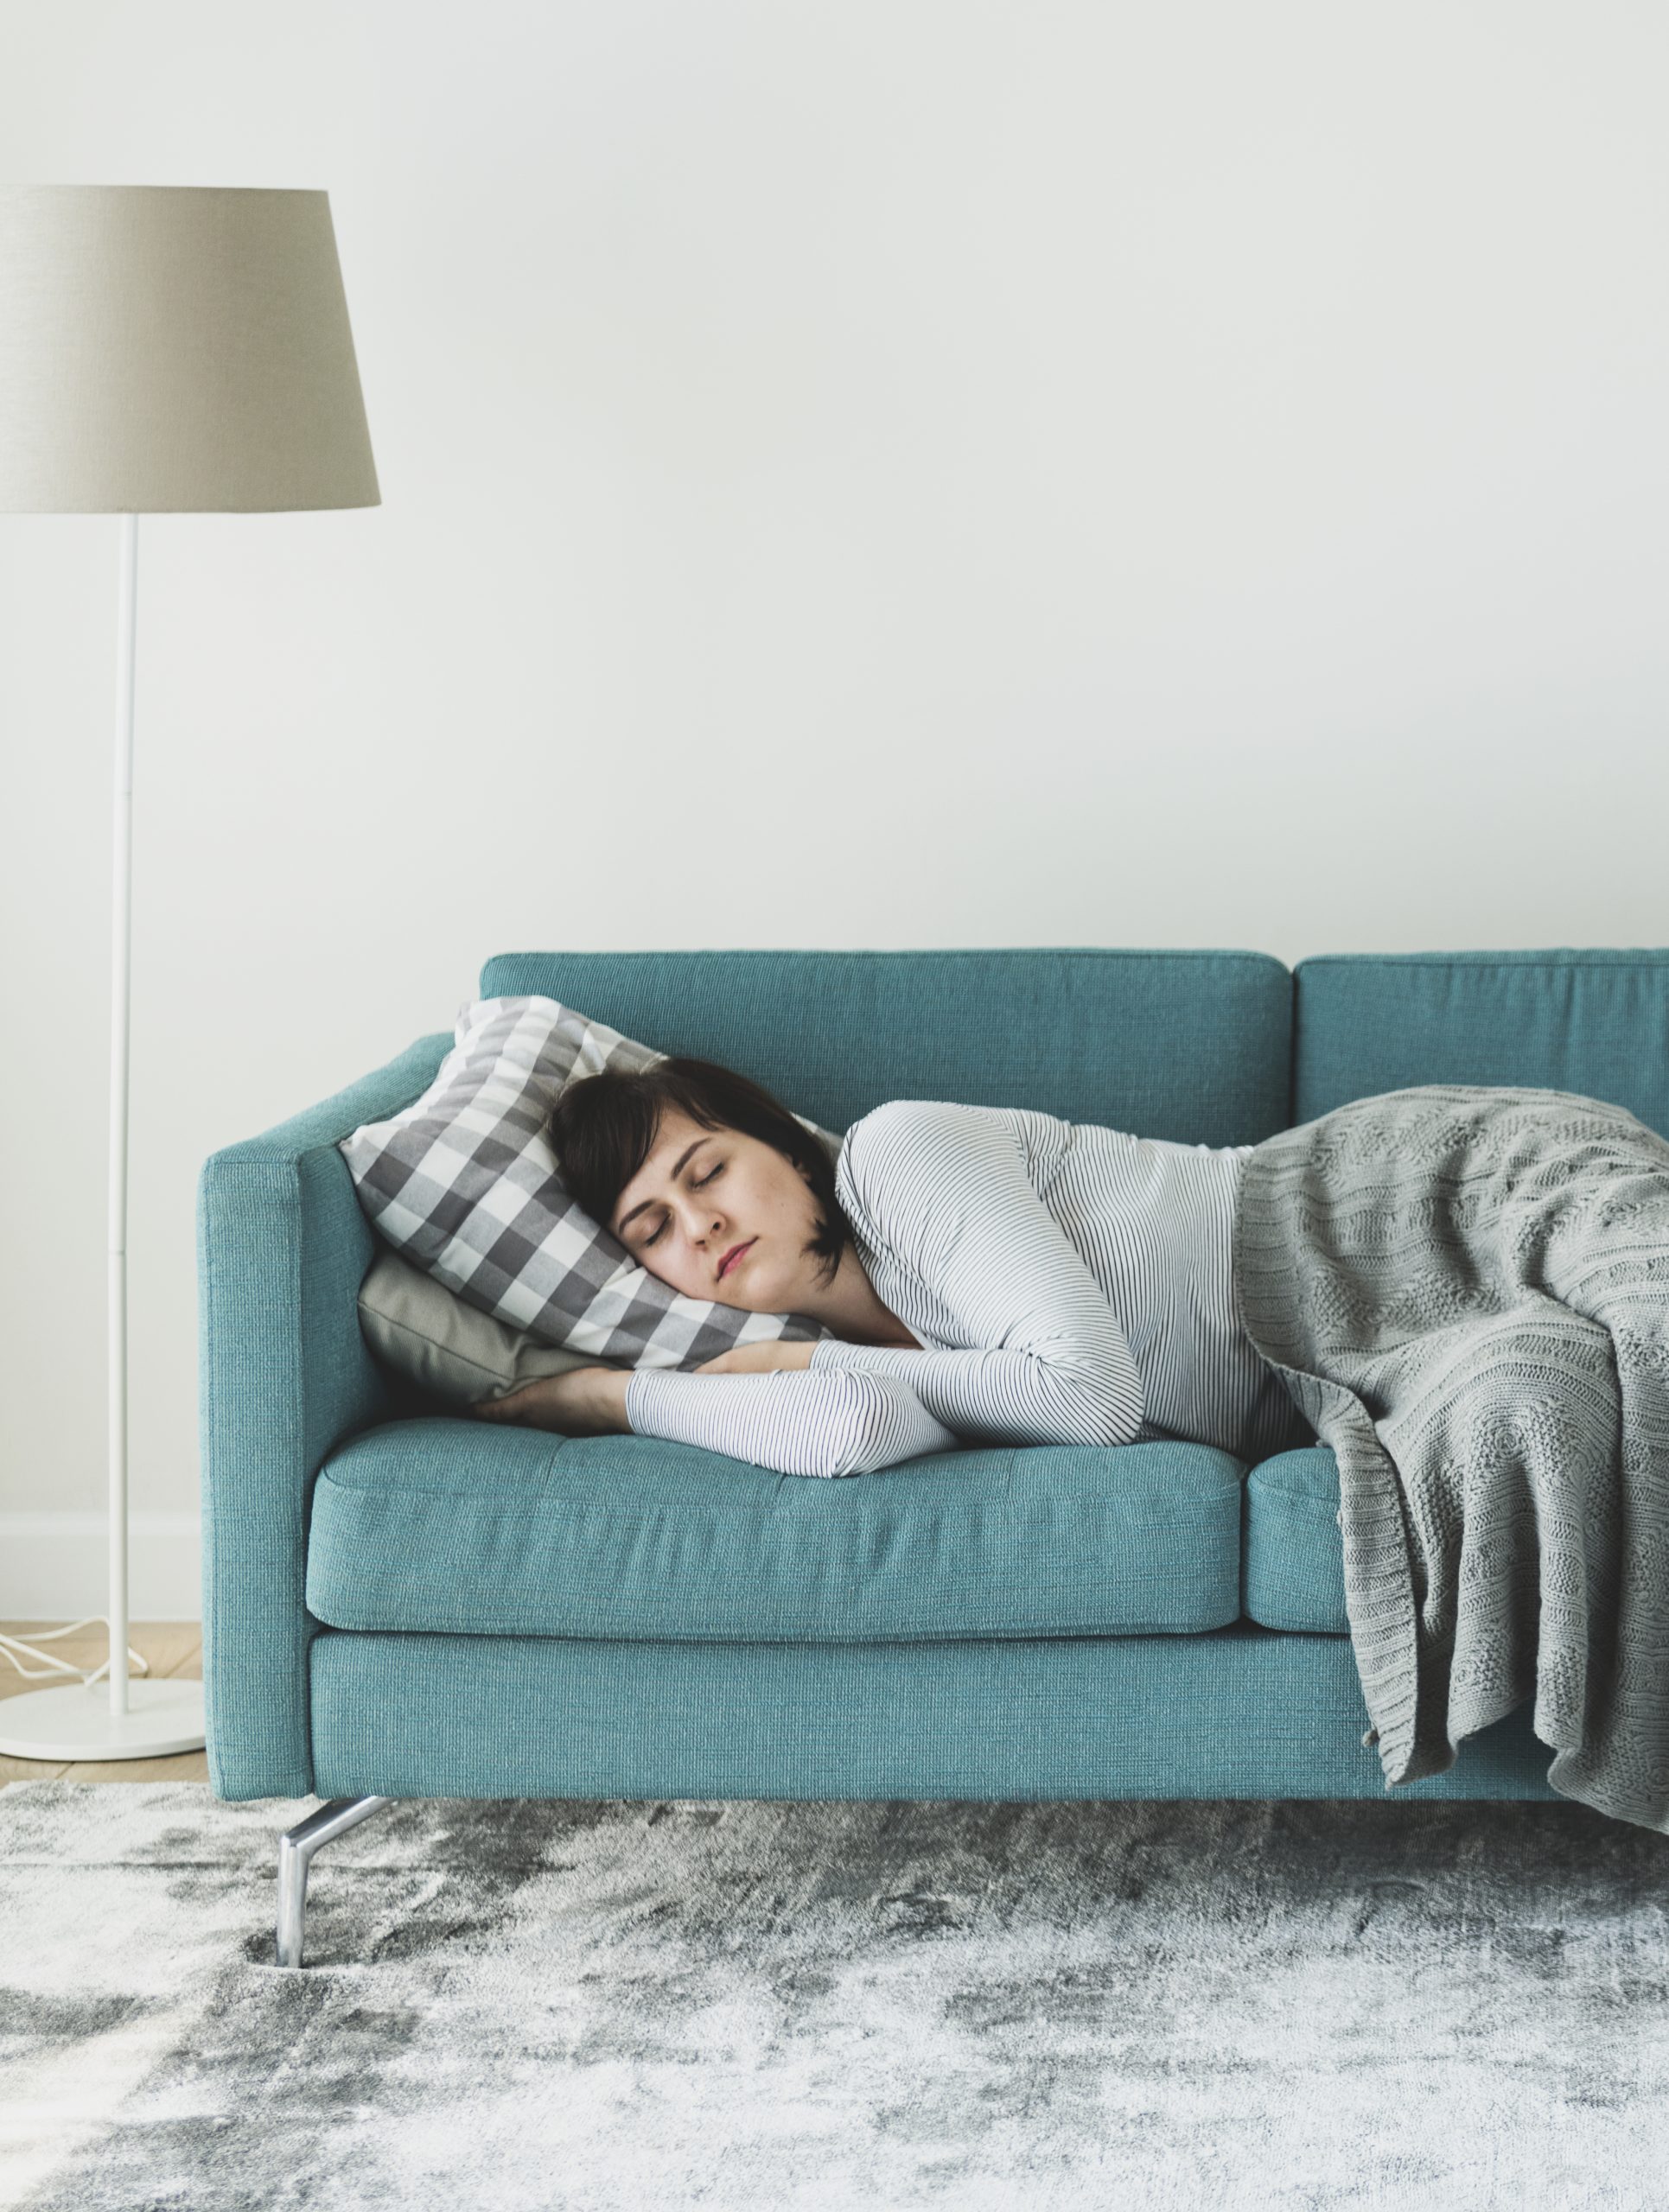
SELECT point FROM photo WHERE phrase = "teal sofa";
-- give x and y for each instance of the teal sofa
(401, 1603)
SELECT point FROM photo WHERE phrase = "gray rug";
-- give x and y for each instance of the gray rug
(632, 2005)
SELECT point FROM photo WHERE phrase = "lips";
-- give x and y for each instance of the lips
(733, 1255)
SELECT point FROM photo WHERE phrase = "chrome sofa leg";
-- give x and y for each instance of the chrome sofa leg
(296, 1850)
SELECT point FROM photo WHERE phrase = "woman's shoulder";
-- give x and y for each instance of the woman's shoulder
(905, 1121)
(900, 1121)
(908, 1142)
(897, 1164)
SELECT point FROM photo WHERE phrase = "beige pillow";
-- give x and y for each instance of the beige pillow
(454, 1351)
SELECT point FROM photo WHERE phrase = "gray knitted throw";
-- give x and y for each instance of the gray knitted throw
(1466, 1291)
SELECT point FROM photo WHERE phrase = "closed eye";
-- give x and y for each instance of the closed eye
(699, 1184)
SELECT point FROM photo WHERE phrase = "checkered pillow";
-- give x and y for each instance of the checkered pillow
(464, 1183)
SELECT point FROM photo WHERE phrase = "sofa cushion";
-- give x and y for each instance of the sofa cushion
(465, 1528)
(1595, 1023)
(1192, 1046)
(1294, 1551)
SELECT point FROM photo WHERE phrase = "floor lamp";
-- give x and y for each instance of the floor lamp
(163, 349)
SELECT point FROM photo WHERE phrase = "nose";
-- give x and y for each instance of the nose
(704, 1223)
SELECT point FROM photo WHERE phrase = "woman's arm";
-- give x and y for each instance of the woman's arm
(793, 1422)
(798, 1424)
(944, 1189)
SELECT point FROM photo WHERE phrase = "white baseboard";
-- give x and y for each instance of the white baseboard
(54, 1566)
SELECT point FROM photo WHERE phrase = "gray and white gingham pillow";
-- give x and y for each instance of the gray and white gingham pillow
(464, 1183)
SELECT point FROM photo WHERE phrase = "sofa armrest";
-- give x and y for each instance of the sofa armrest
(283, 1377)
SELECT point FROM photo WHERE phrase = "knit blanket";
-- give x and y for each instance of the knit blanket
(1466, 1291)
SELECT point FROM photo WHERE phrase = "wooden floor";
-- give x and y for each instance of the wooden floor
(172, 1648)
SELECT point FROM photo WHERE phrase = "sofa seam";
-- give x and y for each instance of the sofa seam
(764, 1515)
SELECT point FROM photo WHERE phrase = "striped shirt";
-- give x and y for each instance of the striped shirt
(1066, 1284)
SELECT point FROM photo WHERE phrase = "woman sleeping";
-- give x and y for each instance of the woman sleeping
(990, 1274)
(1467, 1288)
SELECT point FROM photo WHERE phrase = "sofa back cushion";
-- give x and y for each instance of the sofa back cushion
(1592, 1023)
(1190, 1045)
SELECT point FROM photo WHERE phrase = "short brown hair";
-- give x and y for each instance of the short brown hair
(603, 1128)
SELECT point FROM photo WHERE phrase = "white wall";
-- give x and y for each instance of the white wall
(855, 473)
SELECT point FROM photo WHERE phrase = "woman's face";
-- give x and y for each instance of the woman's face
(701, 1192)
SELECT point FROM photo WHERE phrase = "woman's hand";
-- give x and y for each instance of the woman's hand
(585, 1401)
(759, 1359)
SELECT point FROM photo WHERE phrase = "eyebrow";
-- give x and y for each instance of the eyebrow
(678, 1169)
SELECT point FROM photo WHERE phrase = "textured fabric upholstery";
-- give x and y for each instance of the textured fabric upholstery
(1244, 1712)
(283, 1376)
(1295, 1571)
(460, 1527)
(1596, 1023)
(1189, 1045)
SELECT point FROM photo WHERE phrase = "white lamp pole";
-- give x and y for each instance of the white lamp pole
(121, 999)
(162, 349)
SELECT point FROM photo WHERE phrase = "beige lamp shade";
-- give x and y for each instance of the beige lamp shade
(172, 349)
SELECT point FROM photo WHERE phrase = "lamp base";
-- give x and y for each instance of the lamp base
(76, 1722)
